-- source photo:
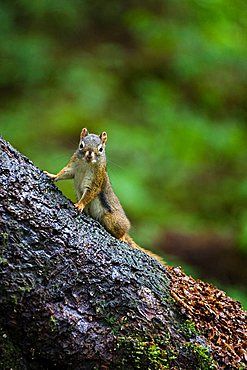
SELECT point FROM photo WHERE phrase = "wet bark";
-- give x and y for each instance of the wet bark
(74, 297)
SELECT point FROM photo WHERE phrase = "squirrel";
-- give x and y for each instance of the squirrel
(94, 192)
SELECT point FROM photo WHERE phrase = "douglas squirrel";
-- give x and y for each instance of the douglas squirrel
(95, 196)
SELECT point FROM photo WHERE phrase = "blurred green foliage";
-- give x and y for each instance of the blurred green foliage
(166, 79)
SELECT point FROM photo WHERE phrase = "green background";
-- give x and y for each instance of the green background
(167, 80)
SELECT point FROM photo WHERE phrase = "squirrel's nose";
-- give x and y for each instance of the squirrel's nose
(90, 154)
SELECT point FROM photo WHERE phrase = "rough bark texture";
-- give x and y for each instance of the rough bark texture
(74, 297)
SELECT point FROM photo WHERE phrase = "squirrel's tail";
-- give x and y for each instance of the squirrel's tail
(127, 239)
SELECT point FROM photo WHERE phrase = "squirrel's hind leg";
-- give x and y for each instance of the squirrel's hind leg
(117, 225)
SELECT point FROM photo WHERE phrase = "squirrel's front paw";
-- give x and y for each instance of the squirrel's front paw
(50, 175)
(80, 206)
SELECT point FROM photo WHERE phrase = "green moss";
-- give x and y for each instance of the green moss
(26, 289)
(3, 261)
(114, 323)
(3, 241)
(145, 353)
(10, 355)
(14, 299)
(189, 329)
(53, 323)
(205, 360)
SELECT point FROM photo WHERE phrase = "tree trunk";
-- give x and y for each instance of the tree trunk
(74, 297)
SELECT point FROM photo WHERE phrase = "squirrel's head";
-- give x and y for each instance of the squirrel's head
(92, 147)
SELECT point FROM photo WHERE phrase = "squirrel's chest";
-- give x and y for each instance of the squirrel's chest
(83, 178)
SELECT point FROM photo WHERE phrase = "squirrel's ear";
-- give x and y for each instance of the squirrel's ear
(103, 137)
(84, 132)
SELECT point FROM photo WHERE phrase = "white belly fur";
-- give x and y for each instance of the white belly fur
(95, 209)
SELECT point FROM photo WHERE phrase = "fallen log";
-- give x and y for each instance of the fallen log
(74, 297)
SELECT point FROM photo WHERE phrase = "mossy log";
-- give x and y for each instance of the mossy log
(74, 297)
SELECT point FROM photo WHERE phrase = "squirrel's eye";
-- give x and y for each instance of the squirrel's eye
(100, 148)
(81, 146)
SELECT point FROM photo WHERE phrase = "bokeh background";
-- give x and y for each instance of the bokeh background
(167, 80)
